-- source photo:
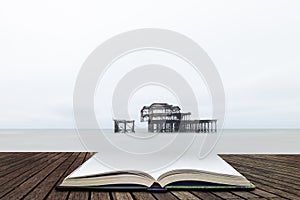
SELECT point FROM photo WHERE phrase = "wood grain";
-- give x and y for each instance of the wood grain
(36, 175)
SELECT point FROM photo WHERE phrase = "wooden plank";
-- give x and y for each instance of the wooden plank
(274, 188)
(100, 195)
(226, 195)
(83, 194)
(18, 159)
(24, 173)
(4, 155)
(206, 195)
(184, 195)
(275, 172)
(25, 187)
(246, 194)
(295, 158)
(263, 193)
(17, 165)
(265, 164)
(276, 198)
(9, 172)
(284, 166)
(76, 195)
(121, 196)
(35, 177)
(9, 155)
(143, 195)
(282, 160)
(164, 195)
(41, 190)
(56, 194)
(269, 188)
(270, 177)
(261, 182)
(27, 168)
(277, 184)
(259, 169)
(13, 158)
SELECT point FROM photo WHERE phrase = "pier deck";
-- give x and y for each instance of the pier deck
(35, 175)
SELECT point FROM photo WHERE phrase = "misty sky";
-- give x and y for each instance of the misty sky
(255, 46)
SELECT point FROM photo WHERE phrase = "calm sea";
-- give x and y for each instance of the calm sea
(229, 141)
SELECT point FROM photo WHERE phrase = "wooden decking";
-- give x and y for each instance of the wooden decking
(35, 175)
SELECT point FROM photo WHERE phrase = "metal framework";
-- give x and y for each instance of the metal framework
(124, 126)
(163, 117)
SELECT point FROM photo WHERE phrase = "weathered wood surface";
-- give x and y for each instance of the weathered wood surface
(35, 175)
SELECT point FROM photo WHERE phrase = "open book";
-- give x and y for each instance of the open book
(212, 172)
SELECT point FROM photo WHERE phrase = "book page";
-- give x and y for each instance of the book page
(90, 167)
(212, 163)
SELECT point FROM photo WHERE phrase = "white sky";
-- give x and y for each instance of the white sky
(254, 44)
